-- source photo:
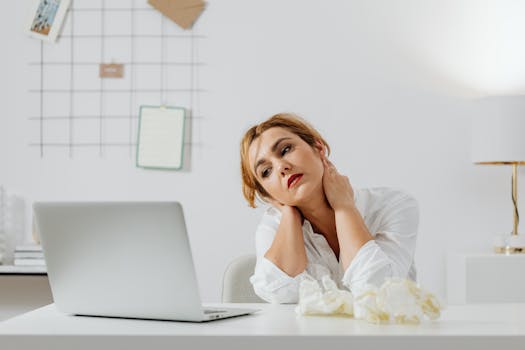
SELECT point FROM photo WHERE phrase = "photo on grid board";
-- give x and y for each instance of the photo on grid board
(47, 17)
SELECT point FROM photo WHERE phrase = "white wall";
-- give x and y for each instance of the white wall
(390, 84)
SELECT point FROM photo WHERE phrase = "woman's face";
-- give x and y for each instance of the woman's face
(288, 168)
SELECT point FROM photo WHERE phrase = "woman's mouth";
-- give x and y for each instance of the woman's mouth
(293, 179)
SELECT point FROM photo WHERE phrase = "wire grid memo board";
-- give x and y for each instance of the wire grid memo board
(72, 108)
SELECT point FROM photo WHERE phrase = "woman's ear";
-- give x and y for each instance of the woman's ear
(320, 147)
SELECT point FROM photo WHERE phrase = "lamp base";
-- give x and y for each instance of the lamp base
(509, 244)
(509, 250)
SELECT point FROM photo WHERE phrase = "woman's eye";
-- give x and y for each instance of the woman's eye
(265, 172)
(285, 150)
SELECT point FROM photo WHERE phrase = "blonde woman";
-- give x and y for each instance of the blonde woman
(317, 224)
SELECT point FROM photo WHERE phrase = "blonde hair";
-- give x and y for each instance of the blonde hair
(251, 188)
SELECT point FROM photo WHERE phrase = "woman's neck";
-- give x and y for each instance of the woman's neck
(319, 213)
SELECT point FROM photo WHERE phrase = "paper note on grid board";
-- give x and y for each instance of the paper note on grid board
(160, 137)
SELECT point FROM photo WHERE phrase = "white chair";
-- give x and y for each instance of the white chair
(236, 286)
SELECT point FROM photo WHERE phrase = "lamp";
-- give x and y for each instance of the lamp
(498, 138)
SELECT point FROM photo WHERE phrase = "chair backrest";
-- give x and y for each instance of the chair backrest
(236, 286)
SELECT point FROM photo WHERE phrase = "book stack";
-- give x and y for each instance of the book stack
(29, 255)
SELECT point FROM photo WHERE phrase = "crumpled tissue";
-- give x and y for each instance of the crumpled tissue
(313, 300)
(398, 300)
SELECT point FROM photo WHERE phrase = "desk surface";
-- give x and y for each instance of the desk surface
(480, 325)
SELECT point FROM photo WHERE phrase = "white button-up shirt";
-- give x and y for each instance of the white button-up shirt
(392, 218)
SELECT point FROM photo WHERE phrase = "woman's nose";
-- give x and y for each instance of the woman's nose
(284, 168)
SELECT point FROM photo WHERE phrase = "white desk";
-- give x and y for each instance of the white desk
(482, 326)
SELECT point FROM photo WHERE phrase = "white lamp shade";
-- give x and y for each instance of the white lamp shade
(498, 131)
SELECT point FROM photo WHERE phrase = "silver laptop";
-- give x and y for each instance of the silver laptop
(122, 260)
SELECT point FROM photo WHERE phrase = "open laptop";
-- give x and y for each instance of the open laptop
(127, 259)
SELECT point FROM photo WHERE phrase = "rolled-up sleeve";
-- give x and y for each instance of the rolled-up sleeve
(391, 252)
(269, 282)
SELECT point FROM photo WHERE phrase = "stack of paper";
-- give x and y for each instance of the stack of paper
(29, 255)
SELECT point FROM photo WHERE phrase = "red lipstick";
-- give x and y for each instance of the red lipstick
(293, 179)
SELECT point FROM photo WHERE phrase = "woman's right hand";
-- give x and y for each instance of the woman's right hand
(287, 210)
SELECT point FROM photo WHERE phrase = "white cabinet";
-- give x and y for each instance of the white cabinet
(485, 278)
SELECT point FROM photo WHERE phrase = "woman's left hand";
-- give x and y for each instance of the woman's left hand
(337, 187)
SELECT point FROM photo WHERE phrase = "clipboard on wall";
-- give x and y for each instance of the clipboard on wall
(160, 139)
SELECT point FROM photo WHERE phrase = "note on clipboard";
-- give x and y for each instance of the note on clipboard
(160, 143)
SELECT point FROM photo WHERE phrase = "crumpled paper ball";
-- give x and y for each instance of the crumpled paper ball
(405, 302)
(399, 300)
(329, 300)
(367, 308)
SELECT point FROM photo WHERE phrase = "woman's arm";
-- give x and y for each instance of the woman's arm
(391, 252)
(287, 251)
(352, 232)
(269, 281)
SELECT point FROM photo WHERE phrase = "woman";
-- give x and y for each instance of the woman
(317, 224)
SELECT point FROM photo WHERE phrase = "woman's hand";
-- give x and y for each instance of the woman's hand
(337, 187)
(286, 209)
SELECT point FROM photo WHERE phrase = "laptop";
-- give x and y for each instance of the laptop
(122, 259)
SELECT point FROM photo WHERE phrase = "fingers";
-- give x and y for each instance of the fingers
(325, 163)
(328, 165)
(325, 160)
(328, 169)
